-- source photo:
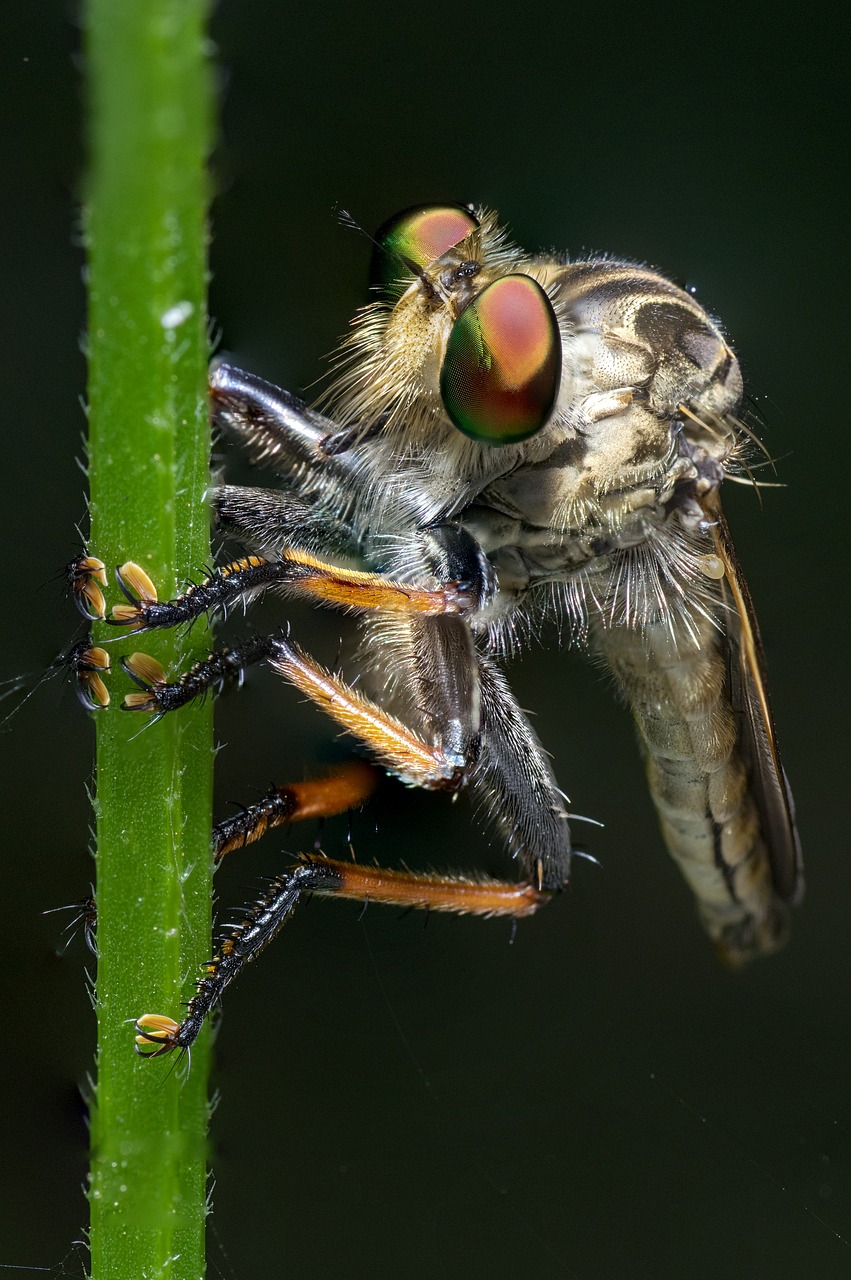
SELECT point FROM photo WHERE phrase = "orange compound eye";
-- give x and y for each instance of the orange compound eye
(417, 235)
(502, 367)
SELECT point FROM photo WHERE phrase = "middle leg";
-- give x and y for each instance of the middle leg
(401, 750)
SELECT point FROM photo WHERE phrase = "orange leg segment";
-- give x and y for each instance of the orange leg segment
(355, 590)
(295, 571)
(348, 787)
(158, 1034)
(464, 895)
(397, 747)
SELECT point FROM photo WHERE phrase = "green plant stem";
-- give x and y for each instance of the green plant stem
(149, 100)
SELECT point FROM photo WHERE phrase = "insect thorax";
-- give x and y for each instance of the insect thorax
(597, 512)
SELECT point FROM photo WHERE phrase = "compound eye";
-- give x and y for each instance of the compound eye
(419, 234)
(502, 367)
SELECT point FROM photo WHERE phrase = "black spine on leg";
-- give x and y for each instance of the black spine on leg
(220, 590)
(274, 809)
(210, 673)
(244, 943)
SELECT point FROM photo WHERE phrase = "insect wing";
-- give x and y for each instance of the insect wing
(757, 736)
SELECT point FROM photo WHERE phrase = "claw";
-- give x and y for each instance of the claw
(87, 663)
(155, 1029)
(148, 674)
(83, 575)
(140, 592)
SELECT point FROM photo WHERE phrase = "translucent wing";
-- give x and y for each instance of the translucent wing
(757, 736)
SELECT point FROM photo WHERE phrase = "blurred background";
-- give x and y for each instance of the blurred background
(600, 1098)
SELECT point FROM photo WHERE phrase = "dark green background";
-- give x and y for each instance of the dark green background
(600, 1099)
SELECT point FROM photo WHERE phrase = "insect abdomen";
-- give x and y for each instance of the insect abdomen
(679, 696)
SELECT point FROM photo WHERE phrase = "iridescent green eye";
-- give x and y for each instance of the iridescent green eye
(502, 367)
(419, 234)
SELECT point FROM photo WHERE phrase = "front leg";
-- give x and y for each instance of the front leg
(268, 519)
(273, 427)
(296, 572)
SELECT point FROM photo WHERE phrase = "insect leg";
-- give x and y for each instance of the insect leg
(346, 787)
(274, 428)
(515, 784)
(308, 451)
(160, 695)
(158, 1034)
(294, 571)
(273, 518)
(399, 749)
(442, 676)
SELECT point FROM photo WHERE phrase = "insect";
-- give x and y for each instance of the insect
(505, 437)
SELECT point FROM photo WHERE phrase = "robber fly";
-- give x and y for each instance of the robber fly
(505, 437)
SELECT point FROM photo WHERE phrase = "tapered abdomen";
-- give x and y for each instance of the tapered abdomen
(680, 696)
